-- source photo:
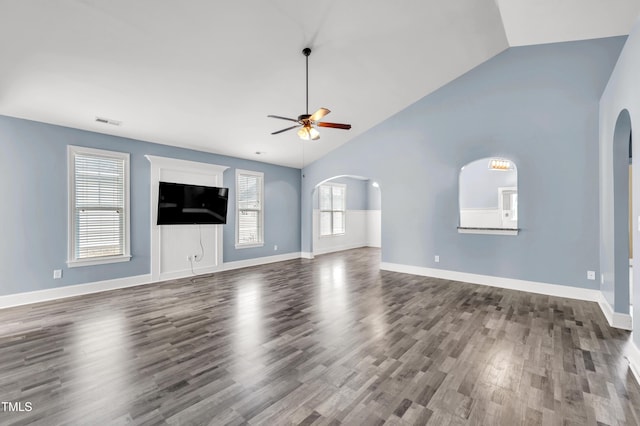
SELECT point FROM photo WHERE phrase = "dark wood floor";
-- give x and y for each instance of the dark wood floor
(327, 341)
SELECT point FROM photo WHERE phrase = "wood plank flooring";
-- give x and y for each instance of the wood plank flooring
(315, 342)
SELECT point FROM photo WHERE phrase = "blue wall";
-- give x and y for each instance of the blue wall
(374, 196)
(536, 105)
(33, 176)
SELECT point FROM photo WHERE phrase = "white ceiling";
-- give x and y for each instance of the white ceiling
(204, 74)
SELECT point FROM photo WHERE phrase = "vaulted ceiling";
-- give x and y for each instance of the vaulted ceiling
(204, 74)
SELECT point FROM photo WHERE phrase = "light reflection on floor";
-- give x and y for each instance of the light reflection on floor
(333, 302)
(248, 334)
(376, 319)
(102, 358)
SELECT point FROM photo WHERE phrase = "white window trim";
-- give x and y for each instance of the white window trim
(261, 216)
(72, 151)
(332, 235)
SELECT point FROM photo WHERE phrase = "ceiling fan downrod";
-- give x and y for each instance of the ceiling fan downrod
(306, 52)
(308, 122)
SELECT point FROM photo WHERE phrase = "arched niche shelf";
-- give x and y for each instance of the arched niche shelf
(488, 197)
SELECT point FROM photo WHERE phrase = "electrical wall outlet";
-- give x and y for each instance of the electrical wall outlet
(601, 278)
(436, 258)
(591, 275)
(275, 248)
(57, 274)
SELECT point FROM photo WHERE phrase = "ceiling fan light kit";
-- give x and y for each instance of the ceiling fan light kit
(308, 122)
(308, 133)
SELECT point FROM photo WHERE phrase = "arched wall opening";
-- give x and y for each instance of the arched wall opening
(622, 223)
(356, 223)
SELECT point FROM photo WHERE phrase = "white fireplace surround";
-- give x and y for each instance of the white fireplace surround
(168, 258)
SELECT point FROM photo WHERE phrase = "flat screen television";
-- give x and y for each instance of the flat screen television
(182, 204)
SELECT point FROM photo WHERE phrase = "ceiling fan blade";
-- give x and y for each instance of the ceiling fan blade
(319, 114)
(334, 125)
(284, 130)
(282, 118)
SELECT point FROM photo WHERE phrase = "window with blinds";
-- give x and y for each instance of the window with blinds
(332, 204)
(249, 209)
(98, 210)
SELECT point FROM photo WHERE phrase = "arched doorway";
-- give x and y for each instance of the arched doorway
(622, 219)
(346, 214)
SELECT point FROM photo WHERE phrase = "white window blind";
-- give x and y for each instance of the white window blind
(249, 223)
(99, 202)
(332, 204)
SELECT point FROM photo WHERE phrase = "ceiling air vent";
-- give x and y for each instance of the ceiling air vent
(108, 121)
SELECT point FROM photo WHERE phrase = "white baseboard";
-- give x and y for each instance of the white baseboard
(615, 319)
(27, 298)
(633, 355)
(339, 248)
(508, 283)
(175, 275)
(227, 266)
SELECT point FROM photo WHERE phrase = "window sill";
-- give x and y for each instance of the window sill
(97, 261)
(253, 245)
(333, 235)
(488, 231)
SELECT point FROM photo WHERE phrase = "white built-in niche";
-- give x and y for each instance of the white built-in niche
(171, 245)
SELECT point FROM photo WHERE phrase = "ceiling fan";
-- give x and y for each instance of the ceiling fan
(308, 122)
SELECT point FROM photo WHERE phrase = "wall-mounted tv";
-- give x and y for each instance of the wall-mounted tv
(182, 204)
